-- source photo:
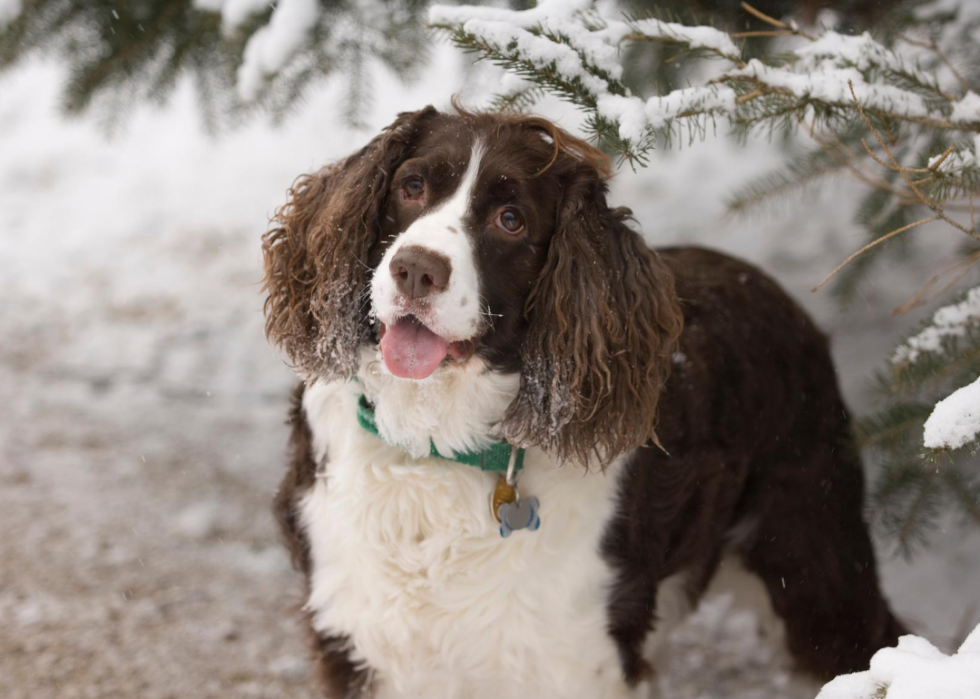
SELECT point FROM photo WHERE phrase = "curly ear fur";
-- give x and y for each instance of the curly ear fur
(316, 269)
(603, 319)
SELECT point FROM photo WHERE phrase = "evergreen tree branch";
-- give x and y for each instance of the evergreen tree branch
(904, 172)
(870, 245)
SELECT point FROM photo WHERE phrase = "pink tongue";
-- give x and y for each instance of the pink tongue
(411, 350)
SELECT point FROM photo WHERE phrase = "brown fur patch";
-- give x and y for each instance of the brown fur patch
(316, 258)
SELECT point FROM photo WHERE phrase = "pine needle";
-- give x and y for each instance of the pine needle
(870, 245)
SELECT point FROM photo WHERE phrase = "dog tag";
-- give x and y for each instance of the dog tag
(503, 494)
(521, 514)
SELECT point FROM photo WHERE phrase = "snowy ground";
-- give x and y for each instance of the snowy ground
(141, 411)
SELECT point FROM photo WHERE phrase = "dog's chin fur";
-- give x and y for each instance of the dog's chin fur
(458, 408)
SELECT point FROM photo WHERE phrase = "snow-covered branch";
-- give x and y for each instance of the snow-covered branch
(955, 421)
(569, 49)
(951, 321)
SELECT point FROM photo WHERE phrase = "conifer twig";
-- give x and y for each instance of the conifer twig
(873, 243)
(960, 268)
(760, 15)
(927, 201)
(934, 47)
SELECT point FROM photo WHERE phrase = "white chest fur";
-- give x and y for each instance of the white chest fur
(408, 563)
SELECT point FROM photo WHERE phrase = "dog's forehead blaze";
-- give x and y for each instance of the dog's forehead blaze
(508, 151)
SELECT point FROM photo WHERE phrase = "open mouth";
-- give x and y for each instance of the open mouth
(411, 351)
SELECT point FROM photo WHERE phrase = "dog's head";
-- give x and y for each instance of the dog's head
(462, 239)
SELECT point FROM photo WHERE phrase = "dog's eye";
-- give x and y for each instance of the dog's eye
(413, 188)
(510, 221)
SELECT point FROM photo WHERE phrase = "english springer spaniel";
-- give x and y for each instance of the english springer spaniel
(525, 442)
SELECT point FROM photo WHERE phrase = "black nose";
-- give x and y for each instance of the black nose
(418, 272)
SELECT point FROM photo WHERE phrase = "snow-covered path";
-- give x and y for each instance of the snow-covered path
(141, 411)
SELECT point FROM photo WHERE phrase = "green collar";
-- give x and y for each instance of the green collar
(495, 458)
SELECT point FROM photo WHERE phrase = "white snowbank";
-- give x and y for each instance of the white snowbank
(273, 45)
(914, 670)
(9, 9)
(948, 321)
(955, 421)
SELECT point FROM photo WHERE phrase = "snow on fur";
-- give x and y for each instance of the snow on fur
(948, 321)
(914, 670)
(955, 421)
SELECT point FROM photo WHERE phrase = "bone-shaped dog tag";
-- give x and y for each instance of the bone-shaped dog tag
(521, 514)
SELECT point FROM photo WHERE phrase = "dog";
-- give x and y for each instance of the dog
(525, 442)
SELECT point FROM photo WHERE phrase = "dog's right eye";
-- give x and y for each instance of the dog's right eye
(413, 188)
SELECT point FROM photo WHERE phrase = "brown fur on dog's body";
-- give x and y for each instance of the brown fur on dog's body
(756, 440)
(755, 452)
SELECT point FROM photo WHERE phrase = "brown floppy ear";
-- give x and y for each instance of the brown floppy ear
(316, 255)
(603, 319)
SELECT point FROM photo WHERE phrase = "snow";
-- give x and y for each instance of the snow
(199, 521)
(636, 117)
(9, 9)
(703, 99)
(966, 11)
(453, 15)
(960, 159)
(270, 48)
(209, 5)
(541, 52)
(823, 80)
(914, 670)
(235, 12)
(955, 421)
(966, 110)
(826, 69)
(697, 37)
(130, 268)
(948, 322)
(861, 52)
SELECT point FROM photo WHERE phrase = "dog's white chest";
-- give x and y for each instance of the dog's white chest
(408, 564)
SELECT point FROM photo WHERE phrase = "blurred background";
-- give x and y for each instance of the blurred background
(142, 413)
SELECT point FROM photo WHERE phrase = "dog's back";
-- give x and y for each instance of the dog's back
(757, 460)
